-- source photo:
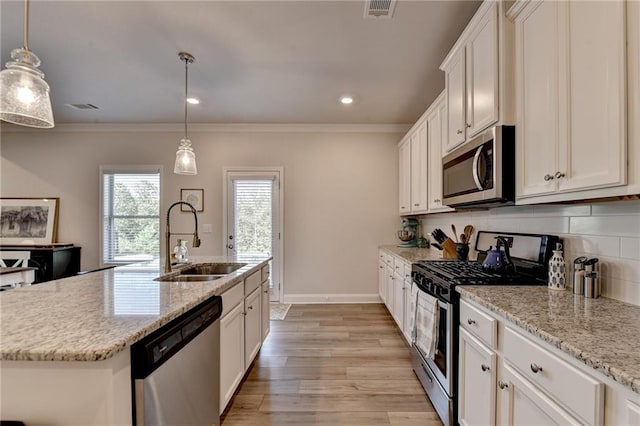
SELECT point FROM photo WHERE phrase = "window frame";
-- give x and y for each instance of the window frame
(124, 169)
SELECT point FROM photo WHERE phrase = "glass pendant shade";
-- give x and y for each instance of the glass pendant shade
(24, 95)
(185, 159)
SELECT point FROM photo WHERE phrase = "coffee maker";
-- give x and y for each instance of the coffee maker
(409, 232)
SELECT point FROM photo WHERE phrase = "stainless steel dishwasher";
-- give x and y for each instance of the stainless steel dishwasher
(176, 370)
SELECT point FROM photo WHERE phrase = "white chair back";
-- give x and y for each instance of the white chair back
(14, 259)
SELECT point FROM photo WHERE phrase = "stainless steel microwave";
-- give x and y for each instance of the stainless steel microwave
(481, 173)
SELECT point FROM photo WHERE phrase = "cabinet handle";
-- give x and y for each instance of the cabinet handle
(244, 313)
(535, 368)
(559, 175)
(381, 267)
(468, 125)
(485, 367)
(470, 321)
(502, 385)
(251, 307)
(436, 201)
(402, 207)
(548, 177)
(416, 205)
(266, 291)
(459, 132)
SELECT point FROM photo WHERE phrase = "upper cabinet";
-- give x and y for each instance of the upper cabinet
(404, 175)
(571, 100)
(478, 72)
(419, 168)
(437, 121)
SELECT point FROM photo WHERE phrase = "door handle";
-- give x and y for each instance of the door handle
(476, 160)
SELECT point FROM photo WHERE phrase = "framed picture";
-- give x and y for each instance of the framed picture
(195, 197)
(28, 221)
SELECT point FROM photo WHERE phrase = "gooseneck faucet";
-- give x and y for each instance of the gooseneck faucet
(196, 239)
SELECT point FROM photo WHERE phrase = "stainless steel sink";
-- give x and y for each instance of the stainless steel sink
(183, 277)
(212, 268)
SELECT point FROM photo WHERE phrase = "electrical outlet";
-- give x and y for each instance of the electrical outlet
(207, 228)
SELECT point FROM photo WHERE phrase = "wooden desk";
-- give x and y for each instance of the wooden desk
(12, 276)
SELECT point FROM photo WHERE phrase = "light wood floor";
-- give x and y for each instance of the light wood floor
(332, 365)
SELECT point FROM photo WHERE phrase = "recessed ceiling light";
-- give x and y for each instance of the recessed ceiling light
(346, 100)
(193, 101)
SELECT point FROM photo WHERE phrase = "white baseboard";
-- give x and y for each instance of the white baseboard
(331, 298)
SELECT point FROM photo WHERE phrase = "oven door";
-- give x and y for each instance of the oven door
(442, 363)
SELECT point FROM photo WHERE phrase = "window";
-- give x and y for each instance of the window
(130, 214)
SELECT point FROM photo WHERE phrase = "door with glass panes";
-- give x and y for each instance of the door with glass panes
(253, 218)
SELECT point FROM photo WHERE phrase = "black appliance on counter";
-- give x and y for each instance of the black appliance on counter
(530, 254)
(52, 261)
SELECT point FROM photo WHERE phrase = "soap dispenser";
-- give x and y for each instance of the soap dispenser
(557, 270)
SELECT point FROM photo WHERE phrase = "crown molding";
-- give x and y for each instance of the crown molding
(213, 128)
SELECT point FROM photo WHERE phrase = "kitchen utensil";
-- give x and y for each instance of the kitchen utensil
(439, 236)
(468, 230)
(463, 239)
(578, 275)
(405, 235)
(455, 233)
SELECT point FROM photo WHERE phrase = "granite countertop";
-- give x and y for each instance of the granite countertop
(413, 254)
(601, 333)
(92, 317)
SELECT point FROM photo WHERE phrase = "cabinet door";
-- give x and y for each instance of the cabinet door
(398, 300)
(265, 310)
(231, 353)
(477, 382)
(455, 87)
(419, 168)
(382, 281)
(409, 310)
(482, 74)
(252, 328)
(404, 176)
(537, 53)
(436, 130)
(526, 405)
(596, 85)
(389, 287)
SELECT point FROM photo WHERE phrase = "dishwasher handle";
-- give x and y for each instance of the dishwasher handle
(149, 353)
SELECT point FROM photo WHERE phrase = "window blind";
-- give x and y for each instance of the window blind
(130, 216)
(253, 217)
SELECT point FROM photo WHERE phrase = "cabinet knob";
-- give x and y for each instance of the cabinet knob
(502, 385)
(548, 177)
(470, 321)
(468, 125)
(250, 306)
(559, 175)
(266, 291)
(535, 368)
(402, 207)
(485, 367)
(459, 132)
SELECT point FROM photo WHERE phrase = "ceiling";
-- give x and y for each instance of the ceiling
(256, 61)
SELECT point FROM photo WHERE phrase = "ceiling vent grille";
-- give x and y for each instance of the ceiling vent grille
(82, 106)
(379, 8)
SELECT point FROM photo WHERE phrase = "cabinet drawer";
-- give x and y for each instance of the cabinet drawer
(569, 386)
(265, 273)
(479, 323)
(231, 298)
(252, 282)
(388, 259)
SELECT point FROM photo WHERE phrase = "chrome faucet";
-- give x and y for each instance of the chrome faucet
(196, 239)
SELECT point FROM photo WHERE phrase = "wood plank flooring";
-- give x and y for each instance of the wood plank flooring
(332, 365)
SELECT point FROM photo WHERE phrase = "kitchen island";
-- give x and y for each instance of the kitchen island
(64, 344)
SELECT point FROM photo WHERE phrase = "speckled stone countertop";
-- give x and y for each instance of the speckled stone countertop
(601, 333)
(94, 316)
(413, 254)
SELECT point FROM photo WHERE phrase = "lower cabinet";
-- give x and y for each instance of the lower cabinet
(409, 310)
(394, 287)
(232, 357)
(382, 281)
(266, 310)
(252, 326)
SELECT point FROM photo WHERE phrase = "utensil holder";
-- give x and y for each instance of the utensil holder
(462, 251)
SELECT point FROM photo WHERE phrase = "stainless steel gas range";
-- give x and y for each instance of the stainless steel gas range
(438, 373)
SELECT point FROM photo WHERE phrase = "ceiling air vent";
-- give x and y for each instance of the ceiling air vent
(82, 106)
(379, 8)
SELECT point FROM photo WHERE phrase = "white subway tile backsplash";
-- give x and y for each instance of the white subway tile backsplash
(630, 248)
(622, 226)
(608, 230)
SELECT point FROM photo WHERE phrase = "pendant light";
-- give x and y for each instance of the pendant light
(185, 157)
(24, 95)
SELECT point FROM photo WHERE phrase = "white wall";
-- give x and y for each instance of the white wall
(340, 191)
(609, 231)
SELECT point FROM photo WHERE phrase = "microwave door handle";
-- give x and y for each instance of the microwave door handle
(476, 160)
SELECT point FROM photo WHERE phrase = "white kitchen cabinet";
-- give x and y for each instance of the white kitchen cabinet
(419, 168)
(477, 76)
(404, 175)
(232, 353)
(389, 287)
(633, 413)
(265, 310)
(571, 99)
(382, 281)
(252, 326)
(436, 118)
(409, 311)
(477, 382)
(398, 300)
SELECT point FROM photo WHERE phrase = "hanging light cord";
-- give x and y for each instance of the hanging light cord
(26, 25)
(186, 85)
